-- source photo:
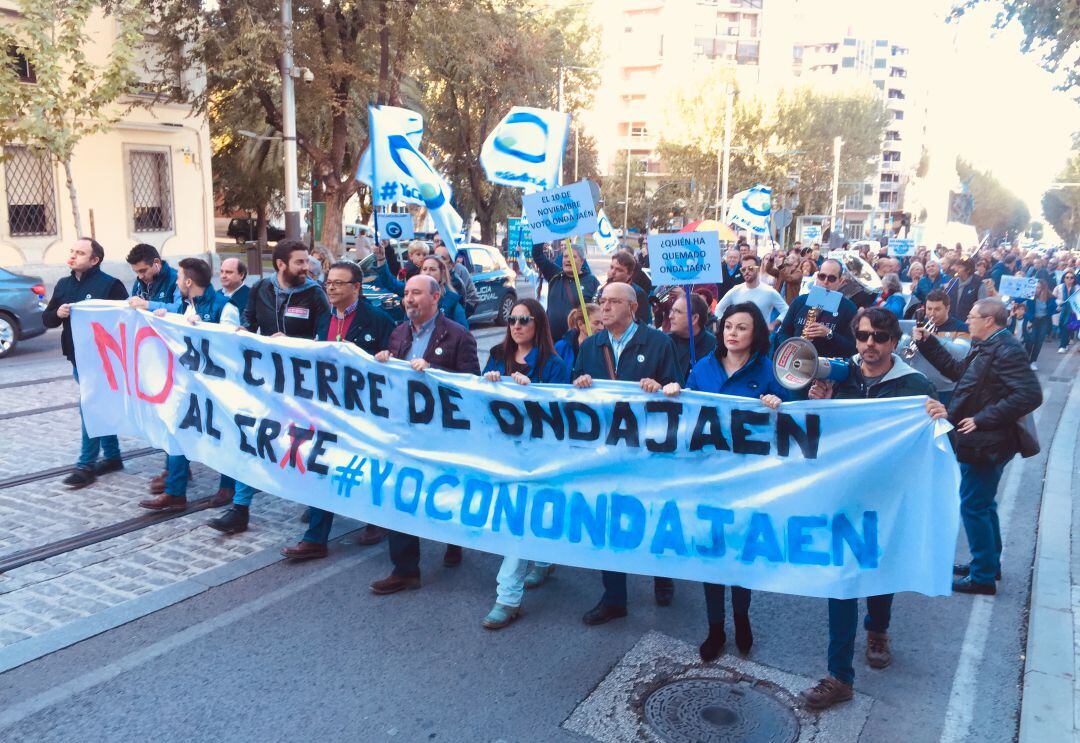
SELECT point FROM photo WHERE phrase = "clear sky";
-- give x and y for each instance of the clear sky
(989, 102)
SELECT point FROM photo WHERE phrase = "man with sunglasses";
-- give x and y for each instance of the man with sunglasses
(752, 290)
(876, 372)
(831, 333)
(995, 388)
(352, 320)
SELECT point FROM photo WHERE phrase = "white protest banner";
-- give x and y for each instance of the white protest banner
(396, 184)
(685, 258)
(395, 226)
(1019, 287)
(566, 211)
(396, 161)
(700, 487)
(525, 149)
(901, 247)
(605, 234)
(811, 233)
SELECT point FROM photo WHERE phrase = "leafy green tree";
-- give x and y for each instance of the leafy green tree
(997, 209)
(1061, 206)
(1050, 26)
(73, 97)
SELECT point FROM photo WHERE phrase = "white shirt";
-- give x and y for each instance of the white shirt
(766, 298)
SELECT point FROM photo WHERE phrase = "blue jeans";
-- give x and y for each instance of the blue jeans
(843, 622)
(319, 523)
(243, 494)
(176, 475)
(109, 446)
(1041, 327)
(978, 509)
(1065, 335)
(714, 601)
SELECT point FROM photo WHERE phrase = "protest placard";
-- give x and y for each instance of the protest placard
(559, 213)
(685, 258)
(395, 226)
(1019, 287)
(901, 247)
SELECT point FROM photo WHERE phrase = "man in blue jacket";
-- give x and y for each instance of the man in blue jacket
(155, 280)
(233, 274)
(830, 333)
(628, 351)
(353, 320)
(199, 302)
(87, 281)
(286, 303)
(562, 295)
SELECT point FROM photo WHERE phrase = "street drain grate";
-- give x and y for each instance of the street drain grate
(710, 710)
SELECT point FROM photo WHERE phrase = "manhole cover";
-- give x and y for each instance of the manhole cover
(715, 711)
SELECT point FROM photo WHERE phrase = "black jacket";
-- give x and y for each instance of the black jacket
(370, 328)
(93, 284)
(900, 381)
(731, 280)
(303, 312)
(704, 344)
(648, 355)
(239, 298)
(994, 385)
(841, 345)
(562, 294)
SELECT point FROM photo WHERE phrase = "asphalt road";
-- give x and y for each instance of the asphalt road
(304, 651)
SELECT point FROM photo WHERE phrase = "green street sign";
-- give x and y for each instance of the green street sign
(318, 217)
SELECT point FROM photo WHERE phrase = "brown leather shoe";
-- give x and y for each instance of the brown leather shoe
(165, 502)
(222, 497)
(157, 484)
(370, 535)
(877, 649)
(394, 583)
(826, 693)
(452, 556)
(305, 551)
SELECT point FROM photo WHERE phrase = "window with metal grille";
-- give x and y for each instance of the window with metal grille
(31, 202)
(151, 192)
(22, 67)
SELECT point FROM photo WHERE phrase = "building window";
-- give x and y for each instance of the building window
(892, 136)
(890, 177)
(151, 191)
(879, 64)
(847, 62)
(896, 94)
(639, 129)
(890, 156)
(879, 84)
(897, 115)
(849, 42)
(881, 42)
(31, 202)
(746, 52)
(22, 67)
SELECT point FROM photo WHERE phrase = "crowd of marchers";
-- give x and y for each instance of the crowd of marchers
(720, 339)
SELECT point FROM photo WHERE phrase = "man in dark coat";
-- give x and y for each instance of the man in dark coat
(628, 351)
(357, 322)
(87, 281)
(233, 273)
(830, 333)
(679, 333)
(995, 388)
(562, 295)
(427, 340)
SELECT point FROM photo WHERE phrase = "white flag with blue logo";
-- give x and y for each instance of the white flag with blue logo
(605, 233)
(413, 125)
(751, 210)
(525, 150)
(396, 163)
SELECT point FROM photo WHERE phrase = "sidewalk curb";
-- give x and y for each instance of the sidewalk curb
(1046, 710)
(33, 648)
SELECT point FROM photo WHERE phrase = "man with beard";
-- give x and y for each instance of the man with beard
(287, 303)
(427, 339)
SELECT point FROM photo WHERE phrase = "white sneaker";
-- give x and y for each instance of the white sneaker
(1034, 367)
(1061, 350)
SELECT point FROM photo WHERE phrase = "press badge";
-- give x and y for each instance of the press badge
(301, 312)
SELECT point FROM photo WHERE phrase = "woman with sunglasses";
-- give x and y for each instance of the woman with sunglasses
(1068, 322)
(526, 355)
(739, 366)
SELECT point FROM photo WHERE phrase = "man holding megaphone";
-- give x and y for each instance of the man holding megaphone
(877, 371)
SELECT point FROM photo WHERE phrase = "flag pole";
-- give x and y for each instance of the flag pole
(690, 324)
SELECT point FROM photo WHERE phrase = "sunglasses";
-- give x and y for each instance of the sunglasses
(519, 320)
(827, 278)
(879, 336)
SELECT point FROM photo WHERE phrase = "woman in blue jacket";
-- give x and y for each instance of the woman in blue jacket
(740, 366)
(526, 355)
(449, 300)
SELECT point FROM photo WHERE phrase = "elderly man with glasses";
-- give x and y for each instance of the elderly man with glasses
(830, 332)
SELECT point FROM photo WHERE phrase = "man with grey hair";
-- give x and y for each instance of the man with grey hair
(427, 339)
(732, 273)
(562, 295)
(995, 388)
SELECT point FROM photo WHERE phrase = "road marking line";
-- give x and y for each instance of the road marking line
(16, 713)
(961, 709)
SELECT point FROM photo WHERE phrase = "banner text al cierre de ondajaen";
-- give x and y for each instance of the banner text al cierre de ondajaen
(704, 487)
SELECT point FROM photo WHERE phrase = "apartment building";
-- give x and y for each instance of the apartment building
(878, 203)
(146, 179)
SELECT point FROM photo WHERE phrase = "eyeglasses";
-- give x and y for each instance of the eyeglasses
(879, 336)
(519, 320)
(607, 300)
(336, 284)
(827, 278)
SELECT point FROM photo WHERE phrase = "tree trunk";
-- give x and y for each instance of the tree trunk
(73, 196)
(261, 225)
(332, 223)
(487, 230)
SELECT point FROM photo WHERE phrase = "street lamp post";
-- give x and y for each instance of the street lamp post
(288, 126)
(838, 143)
(722, 206)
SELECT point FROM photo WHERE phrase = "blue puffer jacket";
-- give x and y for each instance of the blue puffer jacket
(161, 289)
(555, 370)
(754, 379)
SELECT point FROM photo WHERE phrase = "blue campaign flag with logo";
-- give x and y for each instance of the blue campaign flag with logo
(395, 161)
(525, 150)
(751, 209)
(605, 234)
(412, 124)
